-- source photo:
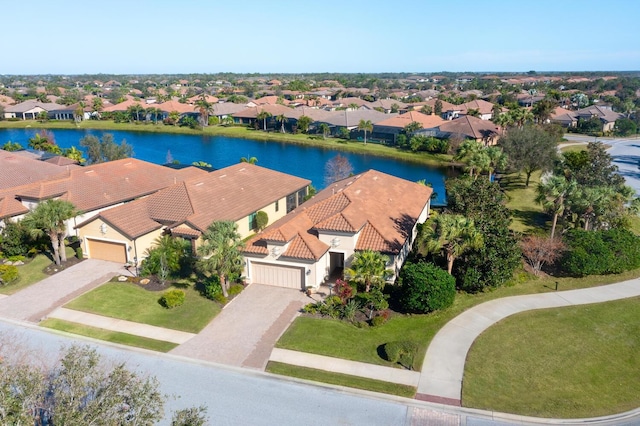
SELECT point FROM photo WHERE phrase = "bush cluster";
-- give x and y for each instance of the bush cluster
(211, 287)
(172, 298)
(401, 352)
(235, 289)
(8, 273)
(426, 288)
(603, 252)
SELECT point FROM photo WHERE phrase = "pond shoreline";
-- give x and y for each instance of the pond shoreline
(242, 132)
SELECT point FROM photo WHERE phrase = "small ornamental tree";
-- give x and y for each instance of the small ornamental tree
(539, 251)
(426, 288)
(262, 220)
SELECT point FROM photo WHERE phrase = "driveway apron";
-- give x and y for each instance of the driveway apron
(38, 300)
(244, 333)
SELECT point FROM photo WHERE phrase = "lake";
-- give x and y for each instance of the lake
(219, 151)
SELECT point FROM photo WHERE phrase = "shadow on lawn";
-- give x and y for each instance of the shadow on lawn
(530, 218)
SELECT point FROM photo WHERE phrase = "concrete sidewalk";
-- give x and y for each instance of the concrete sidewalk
(123, 326)
(443, 369)
(352, 368)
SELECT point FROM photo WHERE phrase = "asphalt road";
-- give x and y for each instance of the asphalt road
(234, 396)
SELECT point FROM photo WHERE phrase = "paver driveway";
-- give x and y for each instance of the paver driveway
(36, 301)
(244, 333)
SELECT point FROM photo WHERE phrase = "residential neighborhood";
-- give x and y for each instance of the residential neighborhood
(360, 281)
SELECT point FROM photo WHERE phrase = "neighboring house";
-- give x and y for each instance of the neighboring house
(483, 107)
(268, 100)
(94, 188)
(248, 115)
(564, 117)
(390, 128)
(186, 209)
(468, 127)
(606, 115)
(29, 110)
(369, 211)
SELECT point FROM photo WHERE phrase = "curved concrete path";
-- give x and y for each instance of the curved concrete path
(443, 369)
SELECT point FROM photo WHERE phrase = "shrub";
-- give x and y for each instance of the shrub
(211, 288)
(311, 308)
(8, 273)
(16, 258)
(349, 310)
(15, 239)
(262, 220)
(401, 352)
(426, 288)
(235, 289)
(172, 298)
(79, 253)
(378, 320)
(220, 298)
(601, 252)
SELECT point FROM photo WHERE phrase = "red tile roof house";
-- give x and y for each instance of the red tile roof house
(186, 209)
(468, 127)
(92, 189)
(369, 211)
(390, 128)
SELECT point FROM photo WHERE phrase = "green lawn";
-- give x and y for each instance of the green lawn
(243, 132)
(527, 214)
(340, 379)
(342, 340)
(133, 303)
(572, 362)
(109, 336)
(30, 273)
(573, 148)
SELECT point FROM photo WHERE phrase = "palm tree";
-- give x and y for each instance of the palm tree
(174, 116)
(471, 153)
(324, 129)
(221, 251)
(282, 120)
(365, 126)
(553, 194)
(452, 233)
(353, 106)
(228, 120)
(50, 218)
(135, 110)
(264, 115)
(412, 127)
(304, 122)
(205, 108)
(497, 159)
(250, 160)
(369, 268)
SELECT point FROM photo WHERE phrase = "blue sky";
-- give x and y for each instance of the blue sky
(295, 36)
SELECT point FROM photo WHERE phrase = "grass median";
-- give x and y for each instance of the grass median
(108, 335)
(570, 362)
(340, 379)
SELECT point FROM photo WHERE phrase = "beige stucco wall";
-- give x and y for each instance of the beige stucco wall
(93, 231)
(270, 210)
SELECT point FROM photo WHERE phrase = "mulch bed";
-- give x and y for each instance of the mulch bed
(54, 269)
(148, 283)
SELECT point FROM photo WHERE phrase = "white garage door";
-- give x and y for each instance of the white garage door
(281, 276)
(106, 250)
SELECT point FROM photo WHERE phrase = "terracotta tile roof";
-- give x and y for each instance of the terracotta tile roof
(402, 120)
(170, 106)
(231, 193)
(383, 208)
(481, 105)
(269, 100)
(10, 207)
(105, 184)
(59, 160)
(185, 231)
(471, 127)
(122, 106)
(133, 222)
(274, 110)
(16, 170)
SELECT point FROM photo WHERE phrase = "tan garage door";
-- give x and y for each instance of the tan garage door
(281, 276)
(106, 250)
